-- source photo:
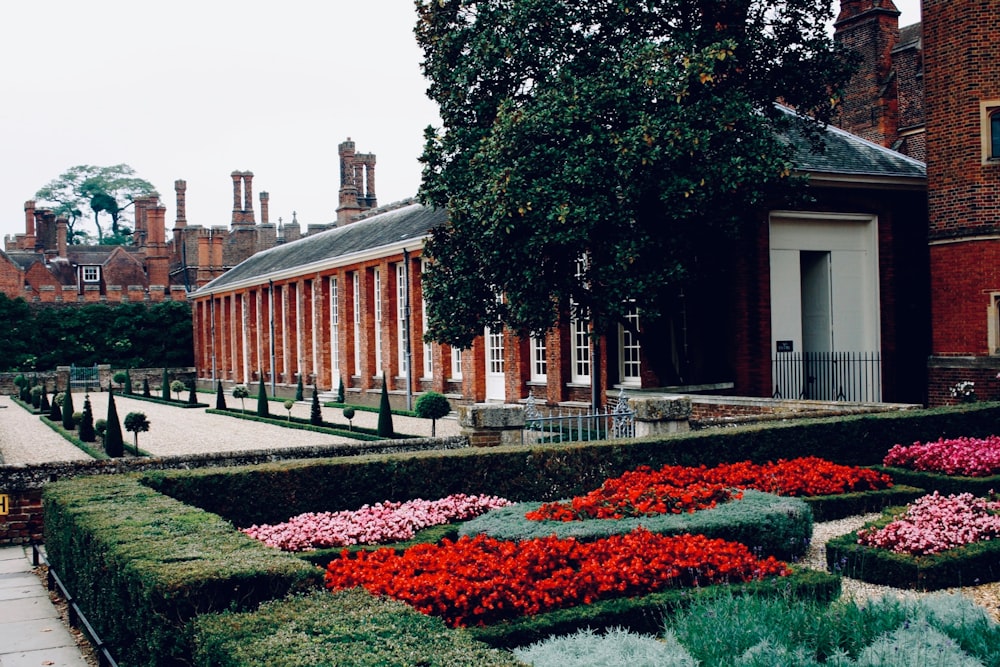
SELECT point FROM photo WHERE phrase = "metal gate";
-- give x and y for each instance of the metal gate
(828, 376)
(614, 421)
(84, 377)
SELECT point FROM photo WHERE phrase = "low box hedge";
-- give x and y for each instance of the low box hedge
(970, 565)
(348, 627)
(843, 505)
(943, 484)
(142, 565)
(769, 524)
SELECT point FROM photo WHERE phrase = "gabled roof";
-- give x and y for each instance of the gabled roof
(399, 227)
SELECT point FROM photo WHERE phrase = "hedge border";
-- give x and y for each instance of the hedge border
(843, 505)
(945, 484)
(972, 564)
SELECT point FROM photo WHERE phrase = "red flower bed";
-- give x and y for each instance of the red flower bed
(481, 580)
(676, 489)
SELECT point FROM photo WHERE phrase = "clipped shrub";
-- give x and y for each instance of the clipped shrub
(340, 389)
(120, 377)
(43, 401)
(432, 405)
(114, 445)
(385, 429)
(299, 388)
(101, 428)
(241, 392)
(55, 411)
(315, 412)
(615, 648)
(136, 423)
(349, 416)
(288, 405)
(87, 432)
(177, 386)
(67, 411)
(165, 385)
(145, 388)
(220, 396)
(262, 409)
(192, 394)
(128, 383)
(36, 397)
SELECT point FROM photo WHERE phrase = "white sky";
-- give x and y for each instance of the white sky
(195, 89)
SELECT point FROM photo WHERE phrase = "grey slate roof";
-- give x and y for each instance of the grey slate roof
(844, 154)
(408, 223)
(850, 155)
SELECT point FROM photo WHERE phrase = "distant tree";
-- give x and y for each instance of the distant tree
(120, 377)
(136, 423)
(87, 433)
(220, 396)
(108, 190)
(299, 389)
(385, 429)
(113, 444)
(165, 385)
(432, 405)
(67, 410)
(340, 390)
(262, 410)
(241, 392)
(315, 413)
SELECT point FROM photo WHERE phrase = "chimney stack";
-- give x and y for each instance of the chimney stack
(357, 182)
(237, 198)
(264, 197)
(180, 191)
(248, 216)
(62, 225)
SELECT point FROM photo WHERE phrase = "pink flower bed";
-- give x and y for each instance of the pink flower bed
(372, 524)
(969, 457)
(936, 523)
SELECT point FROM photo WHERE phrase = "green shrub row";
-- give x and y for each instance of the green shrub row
(767, 524)
(89, 448)
(357, 433)
(831, 508)
(971, 565)
(348, 627)
(143, 565)
(162, 401)
(944, 484)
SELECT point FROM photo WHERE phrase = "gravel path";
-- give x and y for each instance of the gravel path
(179, 431)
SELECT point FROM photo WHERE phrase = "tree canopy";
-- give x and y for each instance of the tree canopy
(109, 190)
(603, 153)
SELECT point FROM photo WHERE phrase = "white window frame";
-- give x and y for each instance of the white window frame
(580, 366)
(428, 349)
(90, 274)
(401, 299)
(377, 298)
(456, 363)
(539, 359)
(334, 331)
(357, 321)
(630, 351)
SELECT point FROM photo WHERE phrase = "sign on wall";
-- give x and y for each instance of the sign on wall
(4, 504)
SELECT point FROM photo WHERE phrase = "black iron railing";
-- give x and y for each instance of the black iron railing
(828, 376)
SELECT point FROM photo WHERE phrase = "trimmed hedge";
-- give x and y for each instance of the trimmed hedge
(429, 535)
(944, 484)
(358, 433)
(348, 627)
(772, 525)
(970, 565)
(142, 565)
(843, 505)
(271, 493)
(645, 615)
(163, 401)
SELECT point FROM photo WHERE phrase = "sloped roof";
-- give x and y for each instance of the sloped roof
(407, 224)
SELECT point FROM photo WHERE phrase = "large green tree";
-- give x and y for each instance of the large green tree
(110, 190)
(605, 153)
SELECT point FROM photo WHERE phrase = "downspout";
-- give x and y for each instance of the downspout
(270, 296)
(408, 349)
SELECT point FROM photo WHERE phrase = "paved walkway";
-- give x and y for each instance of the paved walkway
(31, 632)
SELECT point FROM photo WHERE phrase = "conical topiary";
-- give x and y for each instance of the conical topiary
(315, 414)
(165, 385)
(384, 412)
(55, 413)
(220, 397)
(87, 433)
(145, 388)
(43, 400)
(340, 391)
(113, 443)
(67, 411)
(262, 410)
(193, 395)
(128, 383)
(299, 389)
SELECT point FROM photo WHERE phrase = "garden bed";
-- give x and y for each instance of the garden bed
(933, 481)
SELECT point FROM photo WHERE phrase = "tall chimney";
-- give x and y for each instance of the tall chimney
(29, 225)
(264, 197)
(248, 215)
(237, 199)
(180, 190)
(62, 224)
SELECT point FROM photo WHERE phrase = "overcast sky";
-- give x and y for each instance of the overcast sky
(195, 89)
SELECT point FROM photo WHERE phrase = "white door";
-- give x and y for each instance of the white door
(495, 390)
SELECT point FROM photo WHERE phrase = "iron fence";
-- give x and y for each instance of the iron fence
(84, 377)
(828, 376)
(566, 425)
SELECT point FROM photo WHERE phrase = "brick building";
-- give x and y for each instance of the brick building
(41, 266)
(933, 90)
(345, 305)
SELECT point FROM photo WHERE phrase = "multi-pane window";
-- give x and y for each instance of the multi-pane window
(377, 282)
(456, 363)
(401, 304)
(91, 274)
(356, 281)
(428, 356)
(995, 135)
(539, 362)
(494, 363)
(334, 330)
(629, 342)
(579, 338)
